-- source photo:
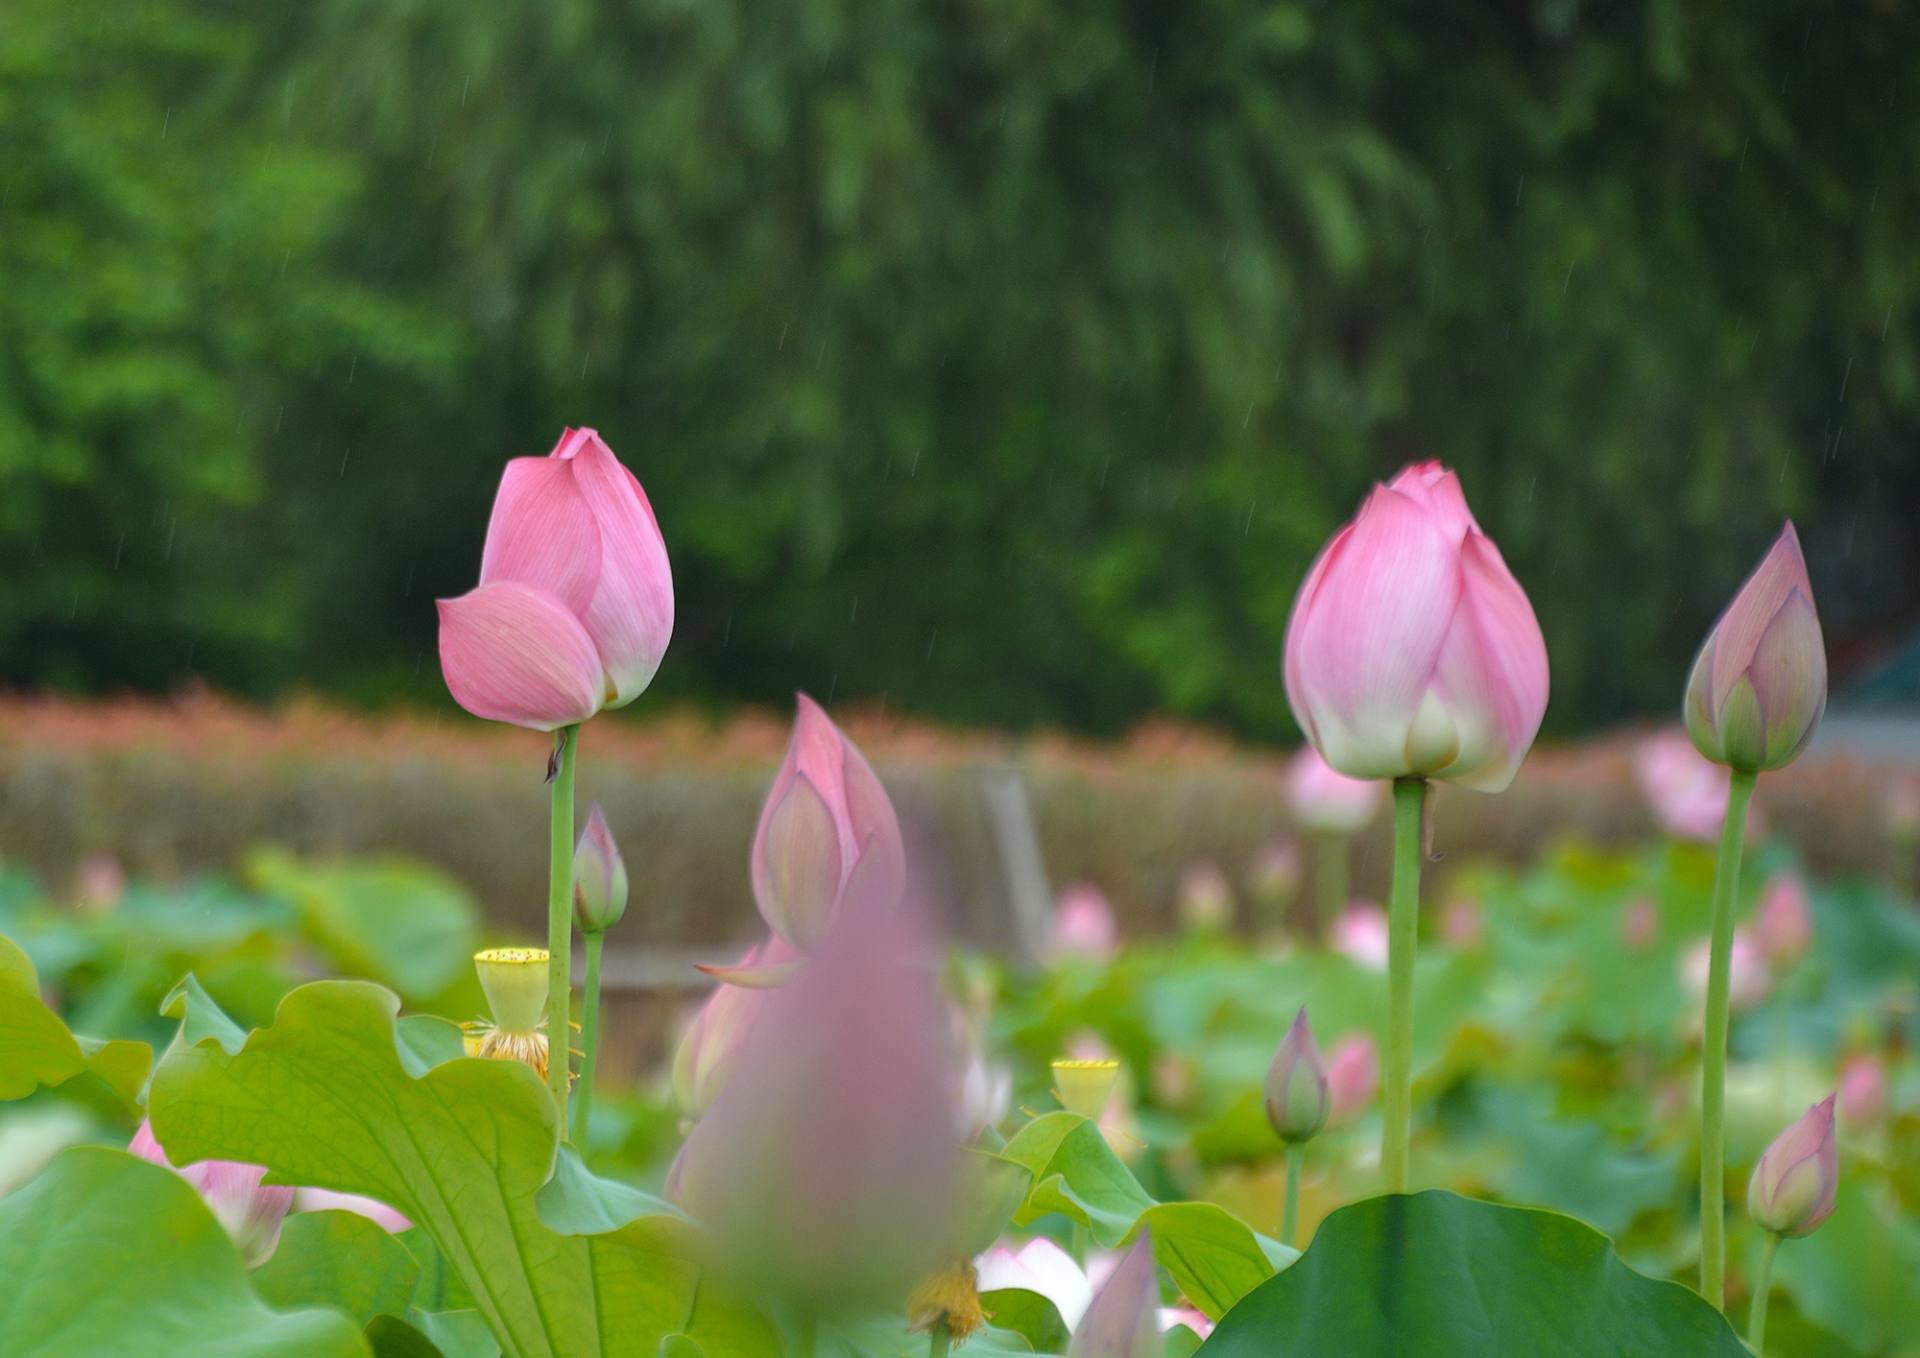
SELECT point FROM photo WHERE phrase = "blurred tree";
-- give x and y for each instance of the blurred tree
(1010, 362)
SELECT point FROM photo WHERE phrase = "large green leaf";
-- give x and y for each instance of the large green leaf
(338, 1095)
(342, 1260)
(1441, 1276)
(1213, 1256)
(104, 1253)
(37, 1049)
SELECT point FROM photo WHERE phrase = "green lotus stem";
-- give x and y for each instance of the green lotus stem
(1403, 940)
(1290, 1217)
(937, 1340)
(1713, 1062)
(560, 926)
(589, 1031)
(1762, 1285)
(1330, 879)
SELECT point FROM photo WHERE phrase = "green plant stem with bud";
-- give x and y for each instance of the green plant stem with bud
(937, 1340)
(589, 1030)
(1330, 879)
(1403, 941)
(1762, 1285)
(1713, 1063)
(560, 924)
(1290, 1216)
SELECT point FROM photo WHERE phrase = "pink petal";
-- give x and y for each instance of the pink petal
(797, 864)
(515, 654)
(1438, 491)
(1789, 672)
(1737, 635)
(630, 616)
(542, 534)
(1493, 670)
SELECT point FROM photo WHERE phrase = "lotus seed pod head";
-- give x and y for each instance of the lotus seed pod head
(515, 982)
(1085, 1087)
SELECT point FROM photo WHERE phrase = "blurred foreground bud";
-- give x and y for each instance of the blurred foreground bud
(1412, 651)
(1123, 1322)
(827, 1166)
(1326, 800)
(1083, 925)
(826, 831)
(704, 1060)
(1783, 926)
(1296, 1089)
(1760, 682)
(1353, 1076)
(1793, 1186)
(1085, 1087)
(599, 877)
(515, 982)
(250, 1211)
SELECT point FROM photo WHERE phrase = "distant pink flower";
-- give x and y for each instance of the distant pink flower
(575, 602)
(326, 1200)
(1360, 932)
(1412, 650)
(1863, 1089)
(1040, 1267)
(1640, 924)
(1083, 924)
(1748, 980)
(1353, 1075)
(1461, 924)
(99, 884)
(1793, 1185)
(1206, 899)
(1327, 801)
(1783, 925)
(250, 1211)
(1687, 793)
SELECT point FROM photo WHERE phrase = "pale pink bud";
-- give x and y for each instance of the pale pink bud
(1688, 794)
(1793, 1186)
(1206, 899)
(1760, 683)
(1083, 925)
(1041, 1267)
(1640, 924)
(575, 603)
(1297, 1097)
(1360, 932)
(1328, 801)
(1353, 1076)
(1123, 1320)
(826, 828)
(250, 1211)
(599, 877)
(712, 1041)
(326, 1200)
(1863, 1088)
(1748, 980)
(1783, 925)
(1412, 651)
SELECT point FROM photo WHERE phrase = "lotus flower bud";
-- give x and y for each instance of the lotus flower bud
(1122, 1322)
(1353, 1076)
(1360, 932)
(1327, 801)
(826, 829)
(251, 1211)
(575, 602)
(1085, 1086)
(1297, 1091)
(1793, 1186)
(1083, 925)
(1783, 927)
(1760, 683)
(1412, 651)
(713, 1040)
(599, 877)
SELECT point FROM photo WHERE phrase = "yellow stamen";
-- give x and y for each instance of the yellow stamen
(949, 1296)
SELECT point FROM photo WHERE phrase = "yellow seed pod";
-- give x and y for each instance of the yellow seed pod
(1084, 1087)
(515, 980)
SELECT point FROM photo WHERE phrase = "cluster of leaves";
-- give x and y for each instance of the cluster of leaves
(1112, 314)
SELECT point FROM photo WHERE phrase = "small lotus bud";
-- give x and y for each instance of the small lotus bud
(1297, 1093)
(1760, 683)
(1793, 1186)
(599, 877)
(1085, 1087)
(1082, 925)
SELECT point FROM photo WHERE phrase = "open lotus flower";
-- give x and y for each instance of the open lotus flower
(1412, 651)
(1793, 1185)
(1326, 800)
(713, 1040)
(1083, 925)
(575, 603)
(1783, 925)
(1123, 1320)
(1360, 932)
(1760, 682)
(1296, 1090)
(599, 877)
(1353, 1076)
(250, 1210)
(1041, 1267)
(826, 831)
(326, 1200)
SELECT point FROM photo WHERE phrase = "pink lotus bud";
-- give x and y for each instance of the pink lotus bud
(1273, 873)
(1206, 899)
(575, 602)
(1360, 932)
(1297, 1088)
(1122, 1322)
(826, 828)
(1328, 801)
(1687, 793)
(1412, 651)
(1863, 1089)
(250, 1211)
(1083, 925)
(326, 1200)
(599, 877)
(1041, 1267)
(1748, 980)
(1353, 1076)
(1783, 926)
(1793, 1186)
(1760, 683)
(712, 1042)
(1640, 924)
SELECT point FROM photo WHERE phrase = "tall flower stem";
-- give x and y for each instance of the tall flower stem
(1713, 1055)
(1290, 1217)
(1403, 940)
(937, 1340)
(589, 1030)
(1762, 1285)
(560, 924)
(1330, 878)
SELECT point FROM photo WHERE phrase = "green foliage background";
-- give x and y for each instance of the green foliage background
(1005, 361)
